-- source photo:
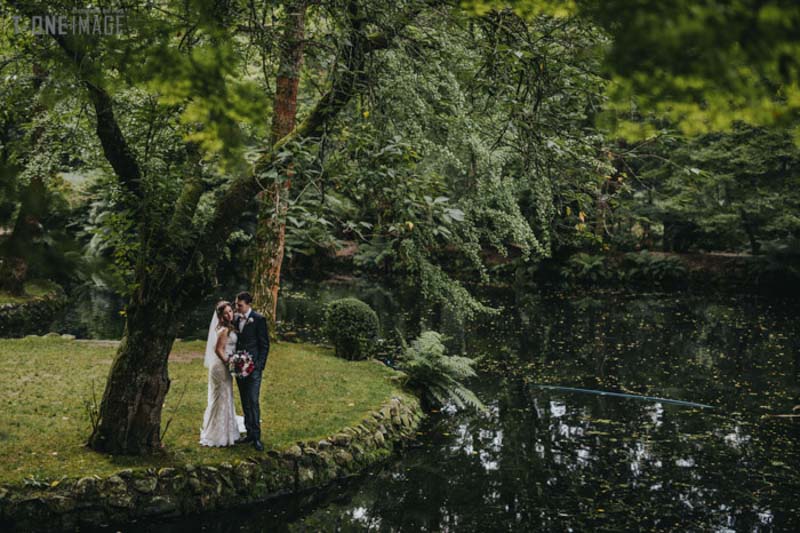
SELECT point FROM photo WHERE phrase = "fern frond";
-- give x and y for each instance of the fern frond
(470, 398)
(437, 374)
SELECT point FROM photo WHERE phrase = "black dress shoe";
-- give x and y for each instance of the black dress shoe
(258, 446)
(244, 440)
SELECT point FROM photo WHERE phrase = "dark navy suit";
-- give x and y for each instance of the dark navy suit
(254, 338)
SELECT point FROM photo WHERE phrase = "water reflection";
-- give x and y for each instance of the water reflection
(92, 313)
(547, 459)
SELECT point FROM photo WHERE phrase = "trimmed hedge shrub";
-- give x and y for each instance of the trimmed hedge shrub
(352, 327)
(32, 316)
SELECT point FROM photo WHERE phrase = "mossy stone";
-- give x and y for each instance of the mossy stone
(115, 491)
(145, 485)
(342, 457)
(342, 439)
(33, 316)
(160, 505)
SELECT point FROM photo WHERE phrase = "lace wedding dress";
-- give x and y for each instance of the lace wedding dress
(221, 426)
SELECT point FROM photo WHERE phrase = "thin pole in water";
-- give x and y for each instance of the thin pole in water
(624, 395)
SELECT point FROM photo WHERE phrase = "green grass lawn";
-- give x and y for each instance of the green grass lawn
(44, 384)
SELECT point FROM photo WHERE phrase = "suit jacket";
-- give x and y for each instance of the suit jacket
(254, 338)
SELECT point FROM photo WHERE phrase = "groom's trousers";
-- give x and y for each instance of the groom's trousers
(249, 389)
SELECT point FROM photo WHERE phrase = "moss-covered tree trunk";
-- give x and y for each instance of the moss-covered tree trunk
(130, 411)
(270, 238)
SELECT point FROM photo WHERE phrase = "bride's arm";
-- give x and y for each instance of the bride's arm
(220, 348)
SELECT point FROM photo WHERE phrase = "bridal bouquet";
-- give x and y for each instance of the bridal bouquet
(241, 364)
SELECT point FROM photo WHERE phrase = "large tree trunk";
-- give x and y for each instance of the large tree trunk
(270, 236)
(130, 412)
(169, 281)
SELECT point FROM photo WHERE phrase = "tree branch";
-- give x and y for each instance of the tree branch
(186, 205)
(115, 147)
(243, 190)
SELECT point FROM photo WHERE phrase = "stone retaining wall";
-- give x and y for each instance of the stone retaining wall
(31, 317)
(135, 494)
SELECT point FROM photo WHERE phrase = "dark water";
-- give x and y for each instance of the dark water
(544, 459)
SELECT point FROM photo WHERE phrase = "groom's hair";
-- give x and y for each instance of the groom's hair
(245, 297)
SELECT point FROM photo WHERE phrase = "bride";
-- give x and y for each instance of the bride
(221, 426)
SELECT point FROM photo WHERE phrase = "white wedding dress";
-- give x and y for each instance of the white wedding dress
(221, 426)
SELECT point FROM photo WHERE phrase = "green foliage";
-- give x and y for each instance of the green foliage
(778, 266)
(436, 375)
(352, 327)
(586, 267)
(645, 266)
(109, 236)
(639, 267)
(217, 105)
(37, 149)
(729, 192)
(471, 140)
(470, 131)
(470, 137)
(703, 65)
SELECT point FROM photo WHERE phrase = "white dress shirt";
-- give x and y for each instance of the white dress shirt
(243, 320)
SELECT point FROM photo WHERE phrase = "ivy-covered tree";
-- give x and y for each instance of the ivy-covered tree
(270, 238)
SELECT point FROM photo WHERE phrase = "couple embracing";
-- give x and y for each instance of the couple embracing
(230, 332)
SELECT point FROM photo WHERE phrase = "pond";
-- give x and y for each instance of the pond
(565, 460)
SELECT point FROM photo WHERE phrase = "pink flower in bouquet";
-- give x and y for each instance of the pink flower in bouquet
(241, 364)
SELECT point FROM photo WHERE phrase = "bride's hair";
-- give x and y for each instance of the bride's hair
(221, 305)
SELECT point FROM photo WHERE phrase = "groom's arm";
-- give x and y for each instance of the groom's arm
(262, 337)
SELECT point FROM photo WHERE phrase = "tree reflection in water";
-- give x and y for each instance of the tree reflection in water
(557, 460)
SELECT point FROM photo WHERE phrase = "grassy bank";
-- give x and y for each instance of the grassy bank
(45, 382)
(33, 289)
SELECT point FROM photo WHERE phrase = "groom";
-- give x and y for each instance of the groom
(253, 338)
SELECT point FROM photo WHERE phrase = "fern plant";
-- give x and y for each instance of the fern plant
(585, 267)
(437, 376)
(647, 266)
